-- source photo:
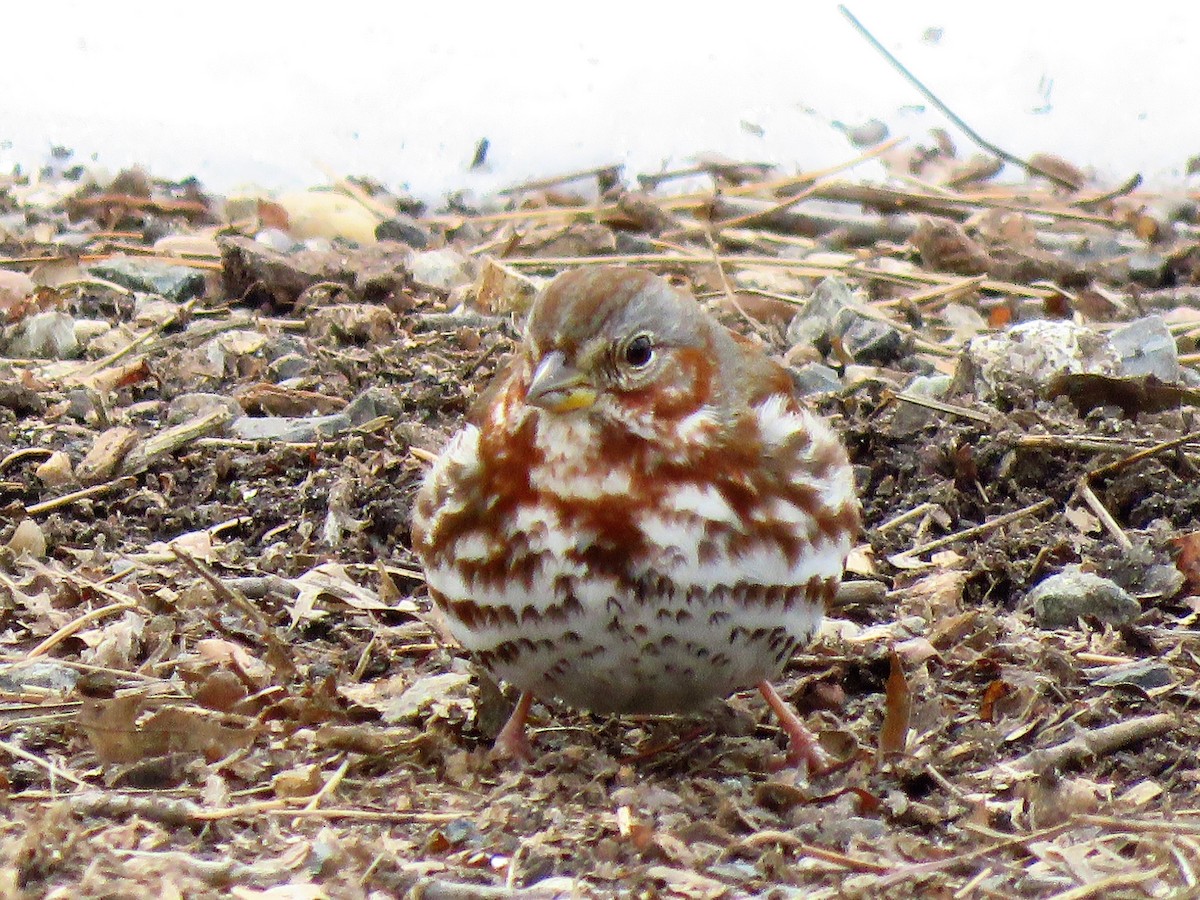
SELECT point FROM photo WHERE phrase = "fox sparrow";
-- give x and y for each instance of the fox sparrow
(640, 516)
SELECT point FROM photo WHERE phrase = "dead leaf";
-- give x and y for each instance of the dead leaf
(996, 691)
(893, 735)
(1187, 558)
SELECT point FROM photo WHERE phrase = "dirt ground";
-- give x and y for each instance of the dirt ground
(219, 671)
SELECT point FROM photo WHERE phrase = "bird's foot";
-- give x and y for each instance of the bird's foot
(512, 743)
(803, 746)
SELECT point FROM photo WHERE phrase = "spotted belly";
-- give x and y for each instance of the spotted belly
(645, 643)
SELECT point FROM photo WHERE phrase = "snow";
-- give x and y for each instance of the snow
(284, 95)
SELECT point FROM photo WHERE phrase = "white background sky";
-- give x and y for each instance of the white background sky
(276, 93)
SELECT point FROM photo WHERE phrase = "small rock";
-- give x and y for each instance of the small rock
(292, 430)
(912, 417)
(1144, 675)
(87, 330)
(152, 311)
(15, 288)
(815, 378)
(276, 239)
(290, 365)
(192, 406)
(404, 229)
(441, 269)
(56, 470)
(827, 314)
(373, 403)
(1147, 347)
(814, 323)
(1061, 600)
(869, 340)
(79, 405)
(47, 335)
(28, 538)
(932, 386)
(106, 455)
(44, 674)
(20, 399)
(1029, 356)
(175, 283)
(1148, 268)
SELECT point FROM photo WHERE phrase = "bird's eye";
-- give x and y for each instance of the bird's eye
(639, 351)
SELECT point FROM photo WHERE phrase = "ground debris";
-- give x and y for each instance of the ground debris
(220, 670)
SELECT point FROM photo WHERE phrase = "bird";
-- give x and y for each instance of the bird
(640, 515)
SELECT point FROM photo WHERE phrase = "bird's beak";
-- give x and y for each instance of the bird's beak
(558, 386)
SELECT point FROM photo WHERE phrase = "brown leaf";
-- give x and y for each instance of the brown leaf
(1187, 558)
(119, 733)
(893, 736)
(996, 691)
(110, 725)
(945, 247)
(1132, 393)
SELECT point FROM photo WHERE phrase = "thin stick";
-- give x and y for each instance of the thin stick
(1129, 186)
(975, 531)
(329, 787)
(947, 111)
(815, 187)
(1110, 524)
(423, 455)
(948, 408)
(1093, 743)
(799, 267)
(612, 170)
(1120, 464)
(24, 453)
(791, 842)
(67, 499)
(1105, 886)
(77, 625)
(906, 516)
(51, 768)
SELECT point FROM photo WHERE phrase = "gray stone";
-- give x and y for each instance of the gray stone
(176, 283)
(441, 269)
(1145, 675)
(1148, 268)
(815, 378)
(404, 229)
(1029, 356)
(1147, 347)
(371, 404)
(932, 386)
(912, 417)
(43, 674)
(1061, 600)
(828, 314)
(46, 335)
(814, 322)
(869, 340)
(288, 429)
(190, 406)
(290, 365)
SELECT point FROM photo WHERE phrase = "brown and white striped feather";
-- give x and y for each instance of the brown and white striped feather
(641, 580)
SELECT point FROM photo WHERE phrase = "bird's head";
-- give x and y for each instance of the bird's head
(620, 344)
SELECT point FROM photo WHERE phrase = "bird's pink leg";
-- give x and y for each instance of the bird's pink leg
(802, 743)
(512, 742)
